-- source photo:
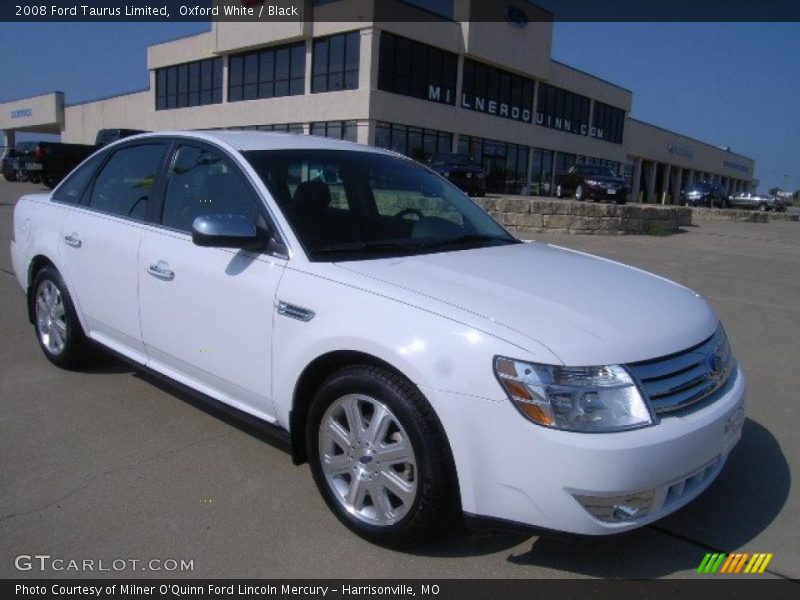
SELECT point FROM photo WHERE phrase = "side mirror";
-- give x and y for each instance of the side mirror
(226, 230)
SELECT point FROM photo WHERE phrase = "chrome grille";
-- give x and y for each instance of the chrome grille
(676, 381)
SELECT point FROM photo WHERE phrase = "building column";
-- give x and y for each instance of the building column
(9, 137)
(677, 182)
(665, 183)
(636, 184)
(651, 181)
(226, 60)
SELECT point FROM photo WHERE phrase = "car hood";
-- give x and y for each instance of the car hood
(586, 310)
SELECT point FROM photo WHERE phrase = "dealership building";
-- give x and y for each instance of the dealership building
(403, 78)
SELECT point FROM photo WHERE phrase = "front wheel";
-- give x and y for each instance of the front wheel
(579, 193)
(559, 191)
(763, 207)
(380, 457)
(57, 327)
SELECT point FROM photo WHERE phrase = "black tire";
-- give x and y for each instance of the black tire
(10, 175)
(763, 207)
(436, 502)
(49, 181)
(578, 193)
(559, 191)
(77, 351)
(34, 178)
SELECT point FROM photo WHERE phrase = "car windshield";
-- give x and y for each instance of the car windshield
(354, 205)
(594, 171)
(454, 159)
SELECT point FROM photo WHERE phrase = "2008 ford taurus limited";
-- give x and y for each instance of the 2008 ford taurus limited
(425, 363)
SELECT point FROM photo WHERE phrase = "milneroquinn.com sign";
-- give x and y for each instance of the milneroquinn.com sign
(496, 107)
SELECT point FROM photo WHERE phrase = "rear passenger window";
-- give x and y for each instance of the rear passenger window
(202, 182)
(125, 183)
(72, 189)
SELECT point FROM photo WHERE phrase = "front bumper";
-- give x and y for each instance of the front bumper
(605, 193)
(514, 470)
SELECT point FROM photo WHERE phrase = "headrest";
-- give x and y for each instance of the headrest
(311, 196)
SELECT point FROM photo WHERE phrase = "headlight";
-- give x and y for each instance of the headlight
(481, 175)
(445, 174)
(585, 399)
(592, 182)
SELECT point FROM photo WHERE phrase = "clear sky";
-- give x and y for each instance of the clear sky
(730, 84)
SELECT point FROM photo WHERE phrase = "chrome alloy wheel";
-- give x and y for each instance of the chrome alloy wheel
(367, 459)
(51, 320)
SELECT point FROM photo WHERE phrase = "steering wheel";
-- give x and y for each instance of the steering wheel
(410, 211)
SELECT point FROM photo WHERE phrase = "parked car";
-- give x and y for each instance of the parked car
(425, 362)
(8, 164)
(704, 193)
(49, 162)
(592, 182)
(463, 171)
(756, 201)
(18, 164)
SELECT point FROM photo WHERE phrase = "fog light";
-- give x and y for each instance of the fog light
(617, 509)
(625, 513)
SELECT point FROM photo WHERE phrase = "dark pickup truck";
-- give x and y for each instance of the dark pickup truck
(49, 162)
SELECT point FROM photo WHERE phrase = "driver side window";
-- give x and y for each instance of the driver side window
(203, 182)
(125, 183)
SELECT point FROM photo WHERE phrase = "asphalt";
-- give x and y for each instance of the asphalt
(109, 464)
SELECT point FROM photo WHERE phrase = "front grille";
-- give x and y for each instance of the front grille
(679, 380)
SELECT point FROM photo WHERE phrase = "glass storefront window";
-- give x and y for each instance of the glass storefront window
(414, 69)
(415, 142)
(191, 84)
(490, 90)
(340, 130)
(335, 63)
(557, 108)
(269, 73)
(506, 164)
(608, 122)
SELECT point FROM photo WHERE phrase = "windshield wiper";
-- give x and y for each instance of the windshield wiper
(365, 247)
(469, 238)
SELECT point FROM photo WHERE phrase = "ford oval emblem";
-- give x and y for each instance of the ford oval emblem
(516, 16)
(716, 363)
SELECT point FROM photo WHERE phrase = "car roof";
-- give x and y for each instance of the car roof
(264, 140)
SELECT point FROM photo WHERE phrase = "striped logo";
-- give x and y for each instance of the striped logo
(739, 562)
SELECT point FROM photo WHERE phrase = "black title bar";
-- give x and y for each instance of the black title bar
(518, 13)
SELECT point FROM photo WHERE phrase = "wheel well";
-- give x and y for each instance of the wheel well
(36, 265)
(311, 378)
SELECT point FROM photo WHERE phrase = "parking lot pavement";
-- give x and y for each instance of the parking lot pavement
(107, 464)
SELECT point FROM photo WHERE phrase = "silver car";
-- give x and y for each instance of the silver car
(756, 201)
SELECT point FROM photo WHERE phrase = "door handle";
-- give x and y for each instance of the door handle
(73, 240)
(161, 270)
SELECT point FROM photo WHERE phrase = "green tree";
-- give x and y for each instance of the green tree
(774, 191)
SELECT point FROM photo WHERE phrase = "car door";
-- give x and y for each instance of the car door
(207, 313)
(99, 245)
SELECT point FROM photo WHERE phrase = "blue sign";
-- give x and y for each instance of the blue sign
(680, 150)
(21, 113)
(736, 166)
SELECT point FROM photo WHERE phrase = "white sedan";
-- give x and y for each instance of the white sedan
(425, 363)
